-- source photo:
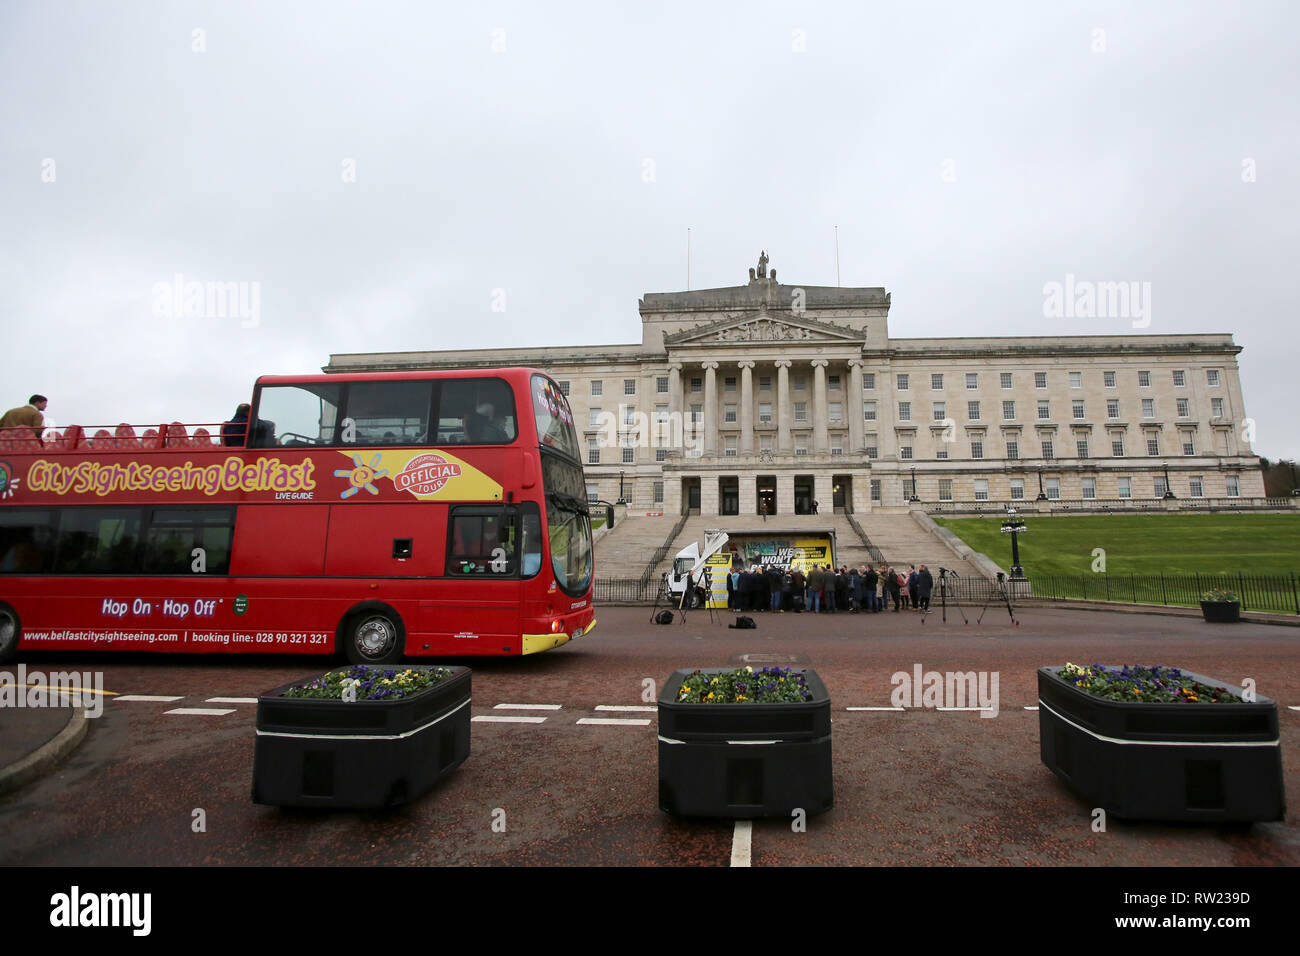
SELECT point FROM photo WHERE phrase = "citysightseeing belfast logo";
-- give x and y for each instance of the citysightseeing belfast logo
(8, 483)
(361, 476)
(426, 474)
(234, 474)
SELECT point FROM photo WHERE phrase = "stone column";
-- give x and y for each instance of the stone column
(669, 432)
(746, 407)
(748, 493)
(821, 444)
(785, 493)
(675, 388)
(783, 446)
(711, 412)
(853, 409)
(824, 493)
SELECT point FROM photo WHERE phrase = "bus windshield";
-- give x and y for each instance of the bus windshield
(554, 419)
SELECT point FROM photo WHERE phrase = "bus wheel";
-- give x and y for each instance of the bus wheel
(374, 637)
(9, 631)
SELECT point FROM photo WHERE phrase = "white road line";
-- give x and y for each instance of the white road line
(1027, 707)
(1288, 706)
(200, 711)
(527, 707)
(614, 721)
(150, 698)
(628, 707)
(496, 719)
(897, 710)
(964, 708)
(742, 843)
(231, 700)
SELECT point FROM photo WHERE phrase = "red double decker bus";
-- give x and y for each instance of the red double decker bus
(383, 515)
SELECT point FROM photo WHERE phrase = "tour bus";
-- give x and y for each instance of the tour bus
(380, 514)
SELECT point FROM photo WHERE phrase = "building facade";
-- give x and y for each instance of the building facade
(766, 398)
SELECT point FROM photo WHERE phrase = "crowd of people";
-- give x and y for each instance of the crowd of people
(825, 589)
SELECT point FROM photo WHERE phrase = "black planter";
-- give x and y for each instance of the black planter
(1209, 763)
(744, 760)
(360, 754)
(1221, 612)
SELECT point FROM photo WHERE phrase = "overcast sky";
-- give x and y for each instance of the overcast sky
(377, 170)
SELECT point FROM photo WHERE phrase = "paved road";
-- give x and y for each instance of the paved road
(913, 787)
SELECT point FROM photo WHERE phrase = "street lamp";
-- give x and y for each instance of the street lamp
(1169, 488)
(1014, 525)
(913, 496)
(1042, 495)
(621, 499)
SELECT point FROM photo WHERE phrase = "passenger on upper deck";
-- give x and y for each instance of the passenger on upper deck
(484, 427)
(28, 416)
(235, 431)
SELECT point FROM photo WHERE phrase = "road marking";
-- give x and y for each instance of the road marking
(615, 721)
(527, 707)
(742, 843)
(627, 707)
(1293, 706)
(200, 711)
(965, 708)
(894, 709)
(1027, 707)
(231, 700)
(150, 698)
(497, 719)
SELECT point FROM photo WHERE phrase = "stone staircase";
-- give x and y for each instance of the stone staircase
(624, 551)
(905, 542)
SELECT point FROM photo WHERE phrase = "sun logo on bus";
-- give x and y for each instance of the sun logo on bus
(362, 476)
(8, 483)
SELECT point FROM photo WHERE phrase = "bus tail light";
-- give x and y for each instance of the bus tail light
(555, 625)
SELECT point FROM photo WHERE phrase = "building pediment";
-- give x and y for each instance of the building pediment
(763, 327)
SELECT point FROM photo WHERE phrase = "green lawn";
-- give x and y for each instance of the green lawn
(1143, 544)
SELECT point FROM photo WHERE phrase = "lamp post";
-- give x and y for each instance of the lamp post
(1014, 525)
(621, 499)
(1042, 495)
(1169, 488)
(913, 496)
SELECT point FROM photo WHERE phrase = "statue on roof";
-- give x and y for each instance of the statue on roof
(762, 264)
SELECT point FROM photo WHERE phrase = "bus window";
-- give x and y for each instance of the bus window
(531, 520)
(476, 411)
(26, 541)
(174, 533)
(390, 413)
(296, 415)
(97, 541)
(480, 541)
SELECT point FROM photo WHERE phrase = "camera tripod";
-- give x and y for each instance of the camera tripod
(944, 574)
(1000, 591)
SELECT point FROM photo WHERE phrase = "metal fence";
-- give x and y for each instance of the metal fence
(1109, 505)
(877, 555)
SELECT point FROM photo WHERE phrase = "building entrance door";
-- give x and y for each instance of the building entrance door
(842, 493)
(803, 494)
(691, 496)
(729, 496)
(766, 494)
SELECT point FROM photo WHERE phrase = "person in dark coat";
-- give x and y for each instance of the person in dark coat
(235, 431)
(797, 586)
(842, 589)
(815, 588)
(911, 586)
(924, 585)
(869, 581)
(892, 588)
(733, 581)
(855, 590)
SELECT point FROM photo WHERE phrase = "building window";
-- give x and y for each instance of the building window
(904, 411)
(729, 414)
(1081, 447)
(801, 411)
(832, 381)
(593, 492)
(629, 386)
(939, 412)
(1117, 445)
(629, 456)
(905, 452)
(1090, 487)
(593, 451)
(729, 383)
(1017, 489)
(1195, 486)
(837, 446)
(972, 380)
(800, 383)
(765, 413)
(941, 454)
(872, 448)
(977, 449)
(764, 442)
(1013, 449)
(1112, 408)
(661, 414)
(729, 447)
(1005, 378)
(593, 417)
(697, 385)
(564, 388)
(1234, 490)
(1126, 487)
(661, 454)
(1148, 408)
(1044, 409)
(661, 384)
(629, 415)
(1144, 379)
(1153, 446)
(658, 492)
(945, 489)
(869, 411)
(835, 411)
(1212, 377)
(1180, 379)
(1076, 380)
(1053, 488)
(902, 382)
(1047, 448)
(1009, 411)
(875, 489)
(597, 387)
(981, 489)
(1076, 407)
(1160, 487)
(801, 448)
(765, 383)
(868, 380)
(936, 382)
(1189, 446)
(1184, 408)
(1040, 380)
(973, 411)
(697, 414)
(1216, 407)
(1108, 378)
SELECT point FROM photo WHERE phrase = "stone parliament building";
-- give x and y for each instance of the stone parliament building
(765, 397)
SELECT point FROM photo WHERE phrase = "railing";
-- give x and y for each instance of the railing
(1279, 593)
(877, 556)
(624, 591)
(1107, 505)
(123, 437)
(662, 551)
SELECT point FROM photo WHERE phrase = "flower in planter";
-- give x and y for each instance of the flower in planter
(1154, 685)
(1220, 596)
(768, 685)
(370, 683)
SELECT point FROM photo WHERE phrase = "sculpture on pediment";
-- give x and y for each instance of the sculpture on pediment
(766, 331)
(762, 264)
